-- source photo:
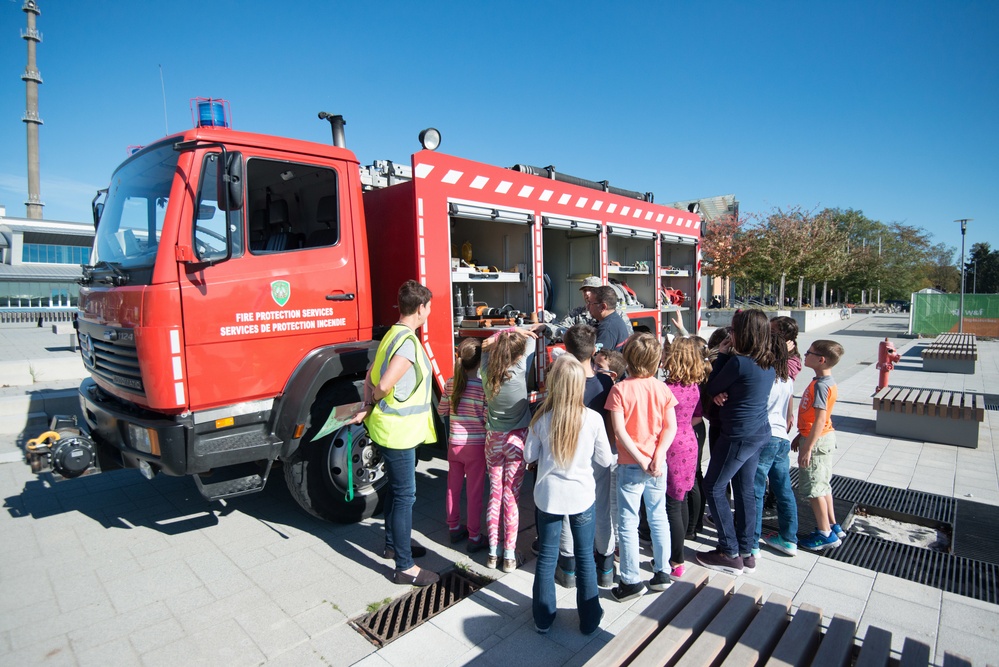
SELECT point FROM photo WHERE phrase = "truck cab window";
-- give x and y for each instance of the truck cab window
(136, 207)
(292, 206)
(209, 221)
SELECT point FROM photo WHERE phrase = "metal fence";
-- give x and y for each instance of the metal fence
(39, 315)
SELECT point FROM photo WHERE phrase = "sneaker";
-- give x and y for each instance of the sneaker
(625, 591)
(837, 530)
(510, 564)
(677, 572)
(536, 549)
(778, 543)
(491, 562)
(816, 541)
(458, 534)
(540, 630)
(748, 564)
(564, 578)
(716, 560)
(605, 578)
(476, 544)
(660, 581)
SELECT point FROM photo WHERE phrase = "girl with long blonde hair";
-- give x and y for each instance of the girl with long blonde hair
(566, 439)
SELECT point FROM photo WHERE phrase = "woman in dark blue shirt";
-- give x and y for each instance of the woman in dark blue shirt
(740, 382)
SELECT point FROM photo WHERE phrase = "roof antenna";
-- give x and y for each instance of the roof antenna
(166, 125)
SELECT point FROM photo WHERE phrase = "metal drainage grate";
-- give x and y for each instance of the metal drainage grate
(902, 501)
(971, 570)
(975, 534)
(954, 574)
(411, 610)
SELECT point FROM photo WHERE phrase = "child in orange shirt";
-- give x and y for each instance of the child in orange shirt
(816, 442)
(642, 414)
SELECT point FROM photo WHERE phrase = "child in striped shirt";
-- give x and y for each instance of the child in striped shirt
(465, 403)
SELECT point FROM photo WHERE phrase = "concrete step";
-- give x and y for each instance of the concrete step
(25, 413)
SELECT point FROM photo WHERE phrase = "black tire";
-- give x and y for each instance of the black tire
(317, 473)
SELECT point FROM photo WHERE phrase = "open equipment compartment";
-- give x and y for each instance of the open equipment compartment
(631, 267)
(498, 241)
(678, 275)
(570, 253)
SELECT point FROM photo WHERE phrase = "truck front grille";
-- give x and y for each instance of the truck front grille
(111, 355)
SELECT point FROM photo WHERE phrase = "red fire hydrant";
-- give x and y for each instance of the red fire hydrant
(887, 357)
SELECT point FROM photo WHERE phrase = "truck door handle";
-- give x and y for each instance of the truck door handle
(340, 297)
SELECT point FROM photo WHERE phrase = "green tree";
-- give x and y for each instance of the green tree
(941, 272)
(792, 247)
(981, 273)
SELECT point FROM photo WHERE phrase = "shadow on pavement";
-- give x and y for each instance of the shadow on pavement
(171, 506)
(876, 326)
(854, 424)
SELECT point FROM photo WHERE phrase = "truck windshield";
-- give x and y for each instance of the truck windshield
(129, 230)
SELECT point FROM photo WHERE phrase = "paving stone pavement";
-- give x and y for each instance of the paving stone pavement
(115, 569)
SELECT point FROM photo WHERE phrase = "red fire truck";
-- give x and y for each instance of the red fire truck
(240, 282)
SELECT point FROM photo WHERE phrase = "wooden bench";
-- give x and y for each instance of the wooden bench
(697, 623)
(929, 415)
(951, 353)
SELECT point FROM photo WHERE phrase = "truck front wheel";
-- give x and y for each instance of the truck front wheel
(317, 476)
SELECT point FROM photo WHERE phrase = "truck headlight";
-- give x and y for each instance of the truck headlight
(139, 439)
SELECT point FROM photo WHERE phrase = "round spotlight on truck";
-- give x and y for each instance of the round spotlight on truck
(430, 139)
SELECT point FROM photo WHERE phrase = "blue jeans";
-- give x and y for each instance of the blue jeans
(734, 461)
(775, 466)
(633, 484)
(587, 595)
(604, 531)
(400, 467)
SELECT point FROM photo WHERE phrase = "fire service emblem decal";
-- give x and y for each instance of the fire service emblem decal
(280, 292)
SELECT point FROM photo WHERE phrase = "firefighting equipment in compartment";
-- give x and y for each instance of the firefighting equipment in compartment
(672, 297)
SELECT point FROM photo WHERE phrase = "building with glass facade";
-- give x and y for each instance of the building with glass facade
(40, 261)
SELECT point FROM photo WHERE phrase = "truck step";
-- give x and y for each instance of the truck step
(233, 481)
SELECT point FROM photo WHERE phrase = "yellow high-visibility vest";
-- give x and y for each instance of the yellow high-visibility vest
(402, 424)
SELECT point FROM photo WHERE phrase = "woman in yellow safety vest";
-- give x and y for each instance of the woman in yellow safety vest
(398, 416)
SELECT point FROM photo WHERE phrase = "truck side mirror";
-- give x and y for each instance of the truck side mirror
(231, 179)
(97, 206)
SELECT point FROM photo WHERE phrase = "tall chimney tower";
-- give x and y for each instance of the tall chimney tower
(32, 78)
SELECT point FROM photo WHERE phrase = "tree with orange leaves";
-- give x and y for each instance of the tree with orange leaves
(724, 246)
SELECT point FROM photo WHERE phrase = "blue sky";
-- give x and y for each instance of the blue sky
(887, 107)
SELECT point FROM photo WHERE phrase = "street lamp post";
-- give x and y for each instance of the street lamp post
(964, 228)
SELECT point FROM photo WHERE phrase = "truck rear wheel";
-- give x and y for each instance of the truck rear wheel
(317, 476)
